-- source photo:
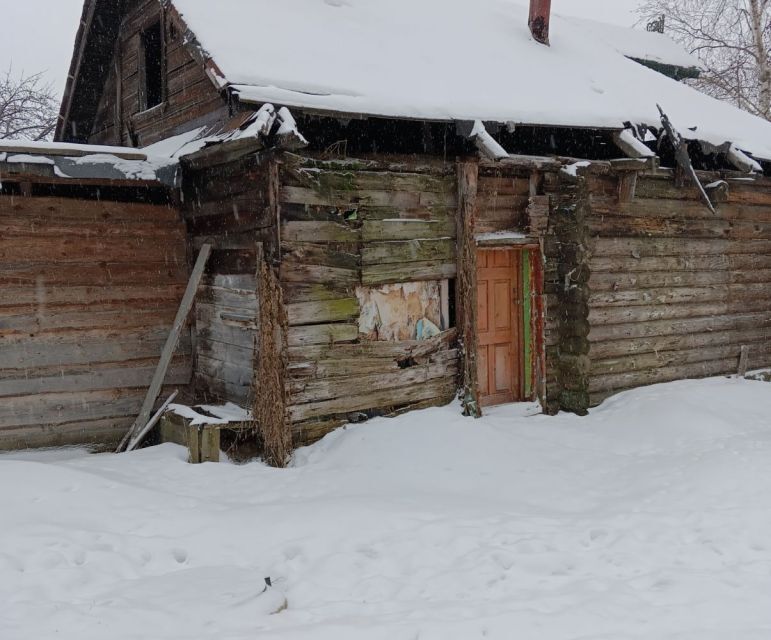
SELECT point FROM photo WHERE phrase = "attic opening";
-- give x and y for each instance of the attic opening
(152, 67)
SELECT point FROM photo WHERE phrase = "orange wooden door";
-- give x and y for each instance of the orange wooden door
(499, 326)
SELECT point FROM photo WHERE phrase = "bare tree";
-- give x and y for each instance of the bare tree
(732, 38)
(28, 107)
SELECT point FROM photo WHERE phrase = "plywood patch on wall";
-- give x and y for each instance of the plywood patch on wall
(392, 312)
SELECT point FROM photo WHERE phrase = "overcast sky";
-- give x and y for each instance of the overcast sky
(38, 35)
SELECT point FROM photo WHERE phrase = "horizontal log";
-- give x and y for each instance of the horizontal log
(656, 247)
(324, 389)
(668, 374)
(340, 181)
(31, 319)
(323, 311)
(295, 292)
(737, 293)
(322, 334)
(378, 198)
(343, 256)
(401, 229)
(620, 226)
(318, 232)
(116, 376)
(91, 274)
(379, 253)
(443, 388)
(375, 349)
(100, 435)
(635, 346)
(60, 210)
(61, 408)
(373, 275)
(659, 359)
(44, 295)
(657, 279)
(354, 367)
(657, 208)
(65, 250)
(307, 274)
(84, 347)
(680, 327)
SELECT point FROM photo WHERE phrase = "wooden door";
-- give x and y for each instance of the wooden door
(500, 355)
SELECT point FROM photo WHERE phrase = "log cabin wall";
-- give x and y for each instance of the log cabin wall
(675, 290)
(190, 99)
(229, 206)
(89, 288)
(351, 234)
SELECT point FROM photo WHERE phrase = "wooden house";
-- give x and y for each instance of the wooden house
(408, 202)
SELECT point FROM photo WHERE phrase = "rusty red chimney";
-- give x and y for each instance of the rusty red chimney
(540, 13)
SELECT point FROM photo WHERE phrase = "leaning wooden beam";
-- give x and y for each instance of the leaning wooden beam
(168, 350)
(486, 144)
(137, 440)
(288, 135)
(683, 159)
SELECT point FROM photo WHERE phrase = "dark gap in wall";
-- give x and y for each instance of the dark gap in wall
(152, 50)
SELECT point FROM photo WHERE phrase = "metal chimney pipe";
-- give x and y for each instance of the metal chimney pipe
(540, 14)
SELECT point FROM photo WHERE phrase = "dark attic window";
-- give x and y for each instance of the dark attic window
(152, 58)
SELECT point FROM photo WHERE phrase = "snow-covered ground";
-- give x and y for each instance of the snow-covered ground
(650, 519)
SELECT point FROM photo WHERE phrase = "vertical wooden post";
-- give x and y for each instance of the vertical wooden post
(271, 400)
(466, 287)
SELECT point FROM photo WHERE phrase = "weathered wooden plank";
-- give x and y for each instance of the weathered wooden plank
(92, 274)
(402, 229)
(323, 389)
(60, 210)
(323, 311)
(322, 334)
(343, 256)
(44, 295)
(309, 274)
(676, 372)
(318, 232)
(659, 359)
(377, 274)
(60, 408)
(101, 434)
(682, 295)
(679, 327)
(33, 319)
(377, 198)
(355, 367)
(83, 347)
(651, 344)
(378, 253)
(119, 376)
(644, 247)
(444, 388)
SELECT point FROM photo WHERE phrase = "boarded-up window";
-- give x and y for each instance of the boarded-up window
(408, 311)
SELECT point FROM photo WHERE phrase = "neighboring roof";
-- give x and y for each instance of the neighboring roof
(451, 60)
(638, 44)
(83, 162)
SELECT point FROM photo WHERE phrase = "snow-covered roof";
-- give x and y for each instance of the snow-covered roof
(639, 44)
(80, 161)
(450, 60)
